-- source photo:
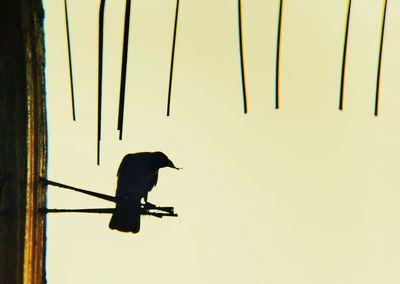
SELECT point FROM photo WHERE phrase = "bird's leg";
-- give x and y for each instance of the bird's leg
(146, 204)
(149, 205)
(145, 198)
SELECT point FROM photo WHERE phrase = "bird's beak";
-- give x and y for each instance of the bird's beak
(171, 165)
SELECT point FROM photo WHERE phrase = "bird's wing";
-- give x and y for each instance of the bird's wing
(136, 175)
(136, 185)
(153, 181)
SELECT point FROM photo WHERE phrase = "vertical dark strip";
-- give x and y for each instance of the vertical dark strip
(346, 36)
(100, 76)
(241, 57)
(378, 79)
(278, 52)
(23, 149)
(172, 58)
(71, 77)
(123, 68)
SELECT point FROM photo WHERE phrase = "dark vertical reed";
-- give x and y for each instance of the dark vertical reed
(172, 59)
(378, 79)
(123, 68)
(344, 56)
(241, 57)
(71, 77)
(278, 53)
(100, 76)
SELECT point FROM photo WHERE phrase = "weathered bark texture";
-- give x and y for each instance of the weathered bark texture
(22, 142)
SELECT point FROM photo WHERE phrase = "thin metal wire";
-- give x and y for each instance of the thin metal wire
(278, 52)
(88, 210)
(71, 77)
(378, 79)
(123, 68)
(344, 56)
(242, 71)
(172, 58)
(100, 76)
(146, 209)
(84, 191)
(103, 196)
(105, 211)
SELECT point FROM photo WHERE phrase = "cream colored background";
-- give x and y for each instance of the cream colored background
(303, 194)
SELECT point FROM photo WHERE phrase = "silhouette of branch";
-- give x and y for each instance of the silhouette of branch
(149, 206)
(159, 215)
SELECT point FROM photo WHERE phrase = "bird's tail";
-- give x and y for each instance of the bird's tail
(126, 218)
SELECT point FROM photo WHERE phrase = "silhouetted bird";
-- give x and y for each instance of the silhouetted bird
(137, 175)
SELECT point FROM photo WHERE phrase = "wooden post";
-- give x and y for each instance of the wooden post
(22, 142)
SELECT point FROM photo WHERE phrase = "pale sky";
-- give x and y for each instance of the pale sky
(303, 194)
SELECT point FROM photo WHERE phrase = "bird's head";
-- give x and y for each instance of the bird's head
(164, 161)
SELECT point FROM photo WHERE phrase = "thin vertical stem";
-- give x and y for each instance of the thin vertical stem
(100, 76)
(172, 58)
(344, 56)
(241, 57)
(123, 68)
(378, 79)
(71, 77)
(278, 51)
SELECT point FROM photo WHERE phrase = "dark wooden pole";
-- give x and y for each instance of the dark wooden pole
(22, 143)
